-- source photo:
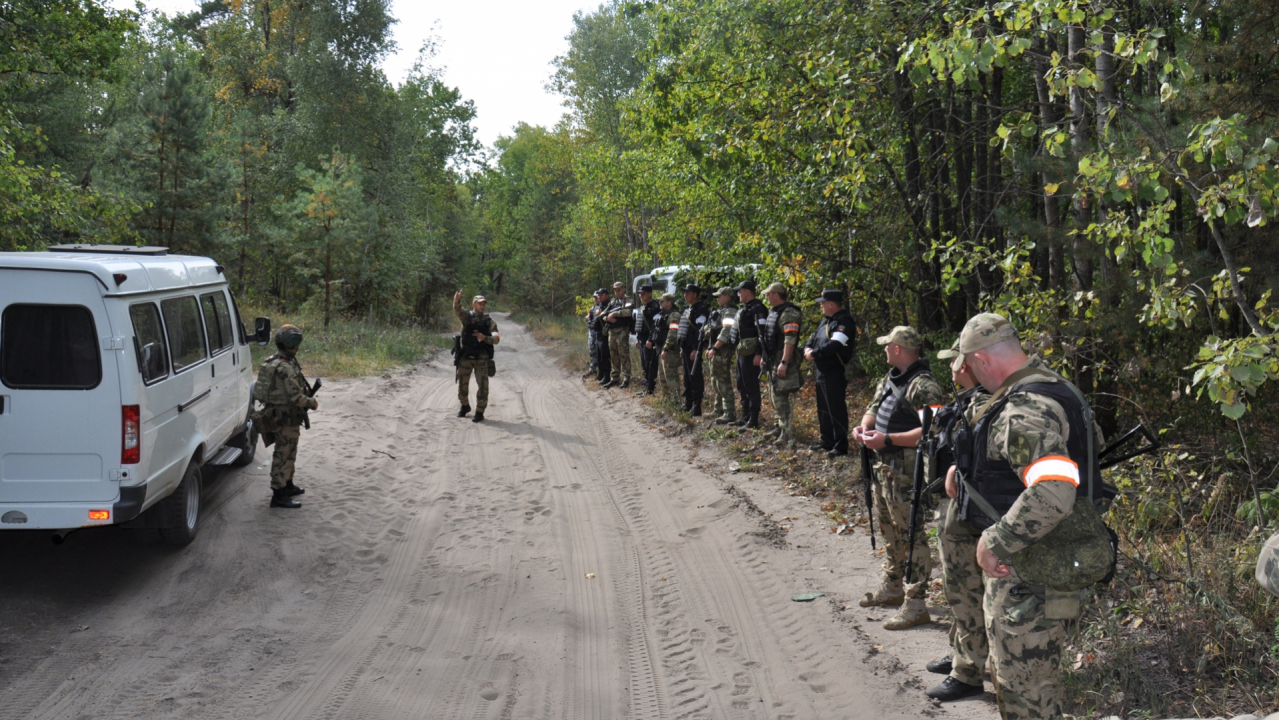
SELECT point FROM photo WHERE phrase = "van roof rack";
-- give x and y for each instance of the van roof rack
(110, 249)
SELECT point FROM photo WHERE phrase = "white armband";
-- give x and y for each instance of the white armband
(840, 338)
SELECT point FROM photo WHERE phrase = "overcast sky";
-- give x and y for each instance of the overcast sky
(497, 52)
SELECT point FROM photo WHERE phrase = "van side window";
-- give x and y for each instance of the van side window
(149, 344)
(49, 347)
(186, 334)
(217, 321)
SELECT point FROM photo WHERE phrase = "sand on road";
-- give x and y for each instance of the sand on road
(560, 560)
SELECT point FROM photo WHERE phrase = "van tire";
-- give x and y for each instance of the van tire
(247, 441)
(180, 511)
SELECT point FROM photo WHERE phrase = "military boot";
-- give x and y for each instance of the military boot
(726, 419)
(625, 384)
(697, 410)
(751, 422)
(912, 612)
(479, 416)
(465, 409)
(941, 667)
(280, 499)
(950, 690)
(888, 594)
(292, 490)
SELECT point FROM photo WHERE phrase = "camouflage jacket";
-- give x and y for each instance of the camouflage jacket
(620, 307)
(923, 390)
(281, 388)
(671, 341)
(1031, 428)
(464, 316)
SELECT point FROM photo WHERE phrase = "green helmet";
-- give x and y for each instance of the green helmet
(288, 337)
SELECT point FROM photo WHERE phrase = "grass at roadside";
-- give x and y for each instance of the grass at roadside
(352, 347)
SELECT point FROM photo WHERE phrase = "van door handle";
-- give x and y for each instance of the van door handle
(194, 400)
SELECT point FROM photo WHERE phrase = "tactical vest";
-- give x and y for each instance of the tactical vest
(999, 483)
(950, 425)
(688, 338)
(823, 339)
(895, 413)
(728, 318)
(773, 334)
(268, 390)
(661, 327)
(614, 305)
(472, 347)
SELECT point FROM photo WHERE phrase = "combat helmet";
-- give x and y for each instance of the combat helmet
(288, 337)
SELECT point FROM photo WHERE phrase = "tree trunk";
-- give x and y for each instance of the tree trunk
(328, 279)
(1082, 256)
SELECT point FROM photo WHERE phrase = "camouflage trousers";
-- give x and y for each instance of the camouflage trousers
(893, 486)
(965, 588)
(619, 353)
(783, 409)
(1025, 650)
(670, 373)
(286, 455)
(480, 366)
(722, 381)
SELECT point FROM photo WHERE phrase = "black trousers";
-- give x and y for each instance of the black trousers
(748, 385)
(603, 367)
(694, 383)
(648, 361)
(832, 409)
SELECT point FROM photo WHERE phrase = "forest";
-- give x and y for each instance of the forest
(1103, 172)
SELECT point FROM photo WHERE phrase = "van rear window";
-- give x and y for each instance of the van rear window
(186, 334)
(49, 347)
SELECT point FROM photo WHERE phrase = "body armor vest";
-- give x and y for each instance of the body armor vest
(471, 347)
(773, 331)
(999, 483)
(895, 414)
(689, 337)
(950, 423)
(645, 328)
(747, 325)
(661, 327)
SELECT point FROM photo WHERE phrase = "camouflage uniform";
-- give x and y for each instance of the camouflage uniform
(894, 483)
(619, 339)
(668, 331)
(477, 365)
(1268, 565)
(962, 578)
(719, 330)
(784, 320)
(1024, 623)
(282, 390)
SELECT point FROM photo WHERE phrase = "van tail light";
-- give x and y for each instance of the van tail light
(131, 437)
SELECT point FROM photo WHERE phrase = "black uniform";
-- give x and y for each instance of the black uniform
(690, 341)
(645, 332)
(746, 334)
(832, 346)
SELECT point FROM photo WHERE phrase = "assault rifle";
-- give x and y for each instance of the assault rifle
(917, 491)
(868, 473)
(1152, 444)
(310, 392)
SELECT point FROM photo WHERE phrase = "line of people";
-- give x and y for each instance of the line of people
(1018, 462)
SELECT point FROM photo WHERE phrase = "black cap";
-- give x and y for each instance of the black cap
(646, 288)
(747, 285)
(835, 296)
(691, 288)
(601, 291)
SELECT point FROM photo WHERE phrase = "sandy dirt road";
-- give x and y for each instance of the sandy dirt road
(441, 569)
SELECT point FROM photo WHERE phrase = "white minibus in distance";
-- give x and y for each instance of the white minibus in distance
(123, 372)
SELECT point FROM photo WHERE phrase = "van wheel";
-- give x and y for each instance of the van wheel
(181, 510)
(247, 441)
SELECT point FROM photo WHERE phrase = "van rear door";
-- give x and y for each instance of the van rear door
(60, 429)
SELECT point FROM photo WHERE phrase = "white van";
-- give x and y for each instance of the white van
(123, 371)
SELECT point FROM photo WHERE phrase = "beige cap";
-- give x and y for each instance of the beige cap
(903, 335)
(776, 287)
(985, 329)
(950, 352)
(479, 298)
(667, 297)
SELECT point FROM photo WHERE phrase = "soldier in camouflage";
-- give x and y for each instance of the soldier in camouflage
(479, 336)
(892, 428)
(782, 360)
(668, 340)
(962, 579)
(1268, 565)
(617, 318)
(1031, 446)
(720, 354)
(285, 397)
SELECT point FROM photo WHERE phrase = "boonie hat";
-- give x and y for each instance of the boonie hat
(747, 285)
(646, 288)
(692, 288)
(835, 296)
(985, 329)
(903, 335)
(776, 287)
(727, 291)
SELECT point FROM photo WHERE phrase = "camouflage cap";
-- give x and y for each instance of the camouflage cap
(776, 287)
(479, 298)
(618, 284)
(667, 297)
(985, 329)
(950, 352)
(903, 335)
(729, 291)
